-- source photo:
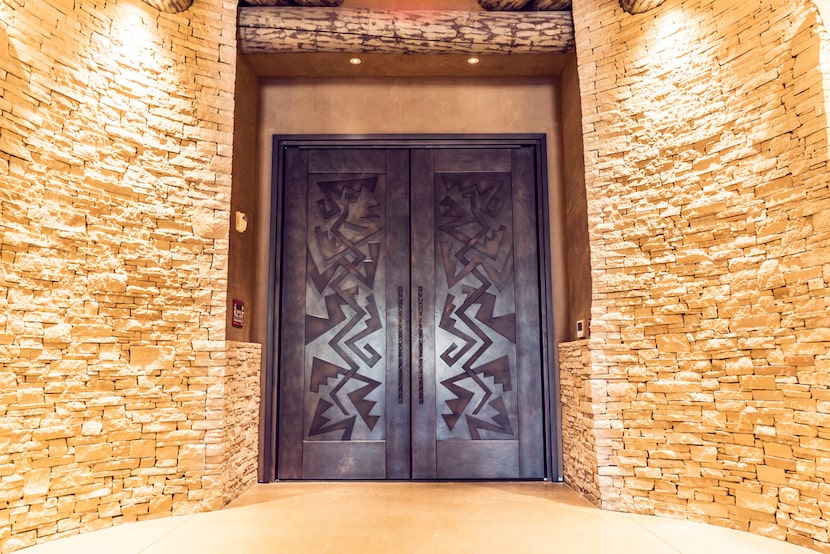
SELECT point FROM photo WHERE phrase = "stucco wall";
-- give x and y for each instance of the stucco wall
(425, 106)
(246, 281)
(115, 152)
(709, 220)
(577, 252)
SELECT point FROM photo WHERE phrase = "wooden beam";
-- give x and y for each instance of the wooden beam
(272, 30)
(639, 6)
(170, 6)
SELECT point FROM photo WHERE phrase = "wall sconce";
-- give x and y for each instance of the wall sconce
(240, 222)
(170, 6)
(639, 6)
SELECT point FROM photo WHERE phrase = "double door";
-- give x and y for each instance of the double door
(410, 342)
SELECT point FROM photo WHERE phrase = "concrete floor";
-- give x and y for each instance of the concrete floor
(515, 518)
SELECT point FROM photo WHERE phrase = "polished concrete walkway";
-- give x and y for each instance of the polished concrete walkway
(400, 518)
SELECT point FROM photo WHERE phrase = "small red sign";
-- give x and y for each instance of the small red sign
(238, 315)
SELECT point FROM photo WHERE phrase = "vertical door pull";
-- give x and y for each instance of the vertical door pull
(400, 345)
(420, 345)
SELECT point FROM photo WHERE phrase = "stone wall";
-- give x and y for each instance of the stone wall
(579, 424)
(238, 446)
(709, 220)
(115, 153)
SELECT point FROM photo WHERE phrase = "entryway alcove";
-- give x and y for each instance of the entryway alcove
(410, 304)
(396, 93)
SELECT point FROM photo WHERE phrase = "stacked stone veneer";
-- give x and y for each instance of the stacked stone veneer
(706, 382)
(119, 397)
(580, 419)
(237, 446)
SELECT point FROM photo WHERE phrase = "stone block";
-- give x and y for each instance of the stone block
(758, 382)
(672, 343)
(755, 322)
(93, 452)
(617, 390)
(160, 504)
(191, 457)
(107, 283)
(36, 482)
(142, 448)
(152, 357)
(711, 509)
(770, 275)
(770, 474)
(756, 502)
(92, 427)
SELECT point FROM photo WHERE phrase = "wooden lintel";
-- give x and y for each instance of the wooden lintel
(639, 6)
(170, 6)
(272, 30)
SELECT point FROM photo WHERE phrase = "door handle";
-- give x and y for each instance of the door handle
(400, 345)
(420, 345)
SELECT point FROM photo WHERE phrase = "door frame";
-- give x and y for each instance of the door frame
(550, 370)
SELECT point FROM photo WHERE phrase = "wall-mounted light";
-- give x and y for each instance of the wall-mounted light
(170, 6)
(241, 222)
(473, 60)
(639, 6)
(355, 60)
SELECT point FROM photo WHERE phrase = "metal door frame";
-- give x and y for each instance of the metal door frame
(550, 363)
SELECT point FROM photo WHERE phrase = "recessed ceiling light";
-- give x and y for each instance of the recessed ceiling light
(473, 60)
(355, 61)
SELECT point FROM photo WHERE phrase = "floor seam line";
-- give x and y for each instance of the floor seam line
(161, 537)
(651, 532)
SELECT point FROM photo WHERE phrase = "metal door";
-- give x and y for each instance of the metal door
(410, 335)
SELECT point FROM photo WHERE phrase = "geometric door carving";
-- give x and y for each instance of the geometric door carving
(410, 335)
